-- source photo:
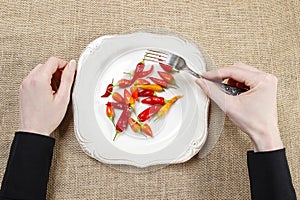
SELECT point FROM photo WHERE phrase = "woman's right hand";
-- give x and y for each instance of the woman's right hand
(255, 111)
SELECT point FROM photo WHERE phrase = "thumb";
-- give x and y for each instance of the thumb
(67, 78)
(213, 92)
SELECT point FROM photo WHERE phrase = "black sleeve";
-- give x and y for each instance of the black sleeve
(28, 166)
(270, 176)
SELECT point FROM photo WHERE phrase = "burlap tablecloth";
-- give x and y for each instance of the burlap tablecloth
(261, 33)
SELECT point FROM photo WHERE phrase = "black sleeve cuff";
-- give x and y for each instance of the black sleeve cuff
(269, 175)
(28, 166)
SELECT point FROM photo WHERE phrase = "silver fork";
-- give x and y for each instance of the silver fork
(178, 63)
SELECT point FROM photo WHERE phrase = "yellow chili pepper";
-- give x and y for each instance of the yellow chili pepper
(165, 108)
(175, 98)
(153, 87)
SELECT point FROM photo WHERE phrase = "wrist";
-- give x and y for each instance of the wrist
(19, 132)
(34, 131)
(267, 142)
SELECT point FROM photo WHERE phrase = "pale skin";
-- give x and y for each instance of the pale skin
(42, 108)
(255, 111)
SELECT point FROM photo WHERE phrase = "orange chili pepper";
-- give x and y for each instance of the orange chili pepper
(153, 87)
(134, 125)
(110, 113)
(127, 97)
(134, 93)
(141, 81)
(117, 97)
(146, 129)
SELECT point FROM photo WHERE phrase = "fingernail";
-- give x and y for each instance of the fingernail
(72, 65)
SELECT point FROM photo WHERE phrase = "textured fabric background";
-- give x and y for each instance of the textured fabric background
(261, 33)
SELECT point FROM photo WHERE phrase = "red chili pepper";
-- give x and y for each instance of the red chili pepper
(110, 113)
(143, 73)
(139, 68)
(146, 129)
(116, 105)
(169, 78)
(118, 97)
(122, 83)
(147, 72)
(141, 81)
(134, 93)
(161, 82)
(109, 90)
(147, 93)
(165, 67)
(122, 121)
(148, 113)
(134, 125)
(154, 100)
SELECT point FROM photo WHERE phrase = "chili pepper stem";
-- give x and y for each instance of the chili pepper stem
(156, 118)
(128, 73)
(132, 108)
(174, 70)
(173, 86)
(116, 134)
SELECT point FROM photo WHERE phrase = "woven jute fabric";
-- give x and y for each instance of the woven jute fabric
(264, 34)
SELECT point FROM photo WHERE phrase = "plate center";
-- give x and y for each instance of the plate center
(164, 129)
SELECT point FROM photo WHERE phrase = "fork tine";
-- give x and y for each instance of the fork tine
(159, 61)
(155, 56)
(152, 56)
(151, 60)
(158, 52)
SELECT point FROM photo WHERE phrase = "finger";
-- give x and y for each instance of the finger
(67, 78)
(244, 66)
(52, 64)
(241, 75)
(213, 75)
(36, 69)
(213, 92)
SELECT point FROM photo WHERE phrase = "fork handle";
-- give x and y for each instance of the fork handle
(228, 89)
